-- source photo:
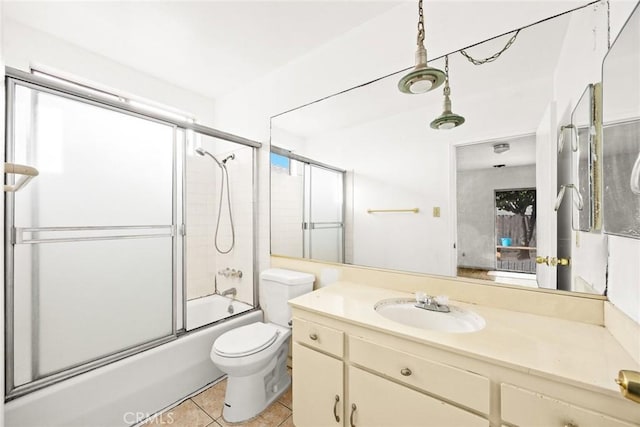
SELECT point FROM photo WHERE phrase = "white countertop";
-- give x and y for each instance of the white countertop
(572, 352)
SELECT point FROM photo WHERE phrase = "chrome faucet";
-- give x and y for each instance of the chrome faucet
(427, 302)
(231, 291)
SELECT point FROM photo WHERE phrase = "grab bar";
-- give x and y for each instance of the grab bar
(414, 210)
(27, 172)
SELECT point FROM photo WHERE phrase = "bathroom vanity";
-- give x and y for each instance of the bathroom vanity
(354, 367)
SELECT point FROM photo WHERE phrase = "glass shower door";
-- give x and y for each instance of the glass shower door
(324, 214)
(91, 265)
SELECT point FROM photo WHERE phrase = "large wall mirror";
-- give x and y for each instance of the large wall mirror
(361, 178)
(621, 122)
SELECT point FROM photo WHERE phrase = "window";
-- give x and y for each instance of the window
(280, 163)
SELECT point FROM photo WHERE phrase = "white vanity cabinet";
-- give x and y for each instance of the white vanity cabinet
(318, 388)
(342, 379)
(318, 374)
(523, 407)
(347, 374)
(375, 401)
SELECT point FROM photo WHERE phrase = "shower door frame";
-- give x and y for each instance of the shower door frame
(306, 207)
(13, 78)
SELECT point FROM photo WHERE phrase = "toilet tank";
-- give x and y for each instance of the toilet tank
(277, 286)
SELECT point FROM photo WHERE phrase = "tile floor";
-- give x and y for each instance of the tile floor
(205, 410)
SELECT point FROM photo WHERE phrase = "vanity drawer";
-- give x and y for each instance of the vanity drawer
(457, 385)
(527, 408)
(320, 337)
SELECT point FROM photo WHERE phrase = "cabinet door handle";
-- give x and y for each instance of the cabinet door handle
(353, 411)
(313, 337)
(570, 425)
(405, 372)
(335, 409)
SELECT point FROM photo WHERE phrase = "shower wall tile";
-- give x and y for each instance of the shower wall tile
(200, 220)
(203, 196)
(286, 218)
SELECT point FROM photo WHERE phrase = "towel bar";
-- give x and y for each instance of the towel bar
(27, 172)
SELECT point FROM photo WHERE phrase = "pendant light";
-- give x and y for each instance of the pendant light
(422, 78)
(448, 119)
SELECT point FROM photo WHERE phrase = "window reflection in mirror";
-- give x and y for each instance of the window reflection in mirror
(515, 230)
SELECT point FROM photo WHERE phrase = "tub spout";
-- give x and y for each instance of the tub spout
(231, 291)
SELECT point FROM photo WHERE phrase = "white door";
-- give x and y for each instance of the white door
(546, 184)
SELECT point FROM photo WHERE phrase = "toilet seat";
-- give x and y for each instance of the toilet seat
(246, 340)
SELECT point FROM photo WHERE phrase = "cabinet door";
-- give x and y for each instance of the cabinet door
(527, 408)
(379, 402)
(317, 381)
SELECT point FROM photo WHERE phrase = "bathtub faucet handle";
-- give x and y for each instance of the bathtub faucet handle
(226, 272)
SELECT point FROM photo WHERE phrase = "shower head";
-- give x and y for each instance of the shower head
(229, 157)
(204, 152)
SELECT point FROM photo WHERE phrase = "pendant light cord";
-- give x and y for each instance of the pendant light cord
(420, 40)
(447, 90)
(492, 57)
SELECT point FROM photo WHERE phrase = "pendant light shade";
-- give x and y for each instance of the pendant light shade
(421, 78)
(448, 119)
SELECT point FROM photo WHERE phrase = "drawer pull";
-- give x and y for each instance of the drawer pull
(570, 425)
(405, 372)
(353, 411)
(335, 409)
(313, 337)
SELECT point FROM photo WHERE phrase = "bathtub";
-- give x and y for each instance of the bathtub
(210, 309)
(127, 391)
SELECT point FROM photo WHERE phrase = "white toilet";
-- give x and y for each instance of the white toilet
(254, 356)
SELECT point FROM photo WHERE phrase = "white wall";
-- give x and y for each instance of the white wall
(388, 177)
(476, 210)
(25, 47)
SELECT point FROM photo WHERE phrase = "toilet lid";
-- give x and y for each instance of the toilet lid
(246, 340)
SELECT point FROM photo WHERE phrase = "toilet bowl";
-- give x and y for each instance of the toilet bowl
(254, 356)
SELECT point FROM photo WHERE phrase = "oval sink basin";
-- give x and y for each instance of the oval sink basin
(404, 311)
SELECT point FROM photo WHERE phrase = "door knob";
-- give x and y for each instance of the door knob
(542, 260)
(564, 261)
(629, 382)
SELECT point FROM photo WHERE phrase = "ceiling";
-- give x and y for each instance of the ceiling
(208, 47)
(482, 93)
(522, 152)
